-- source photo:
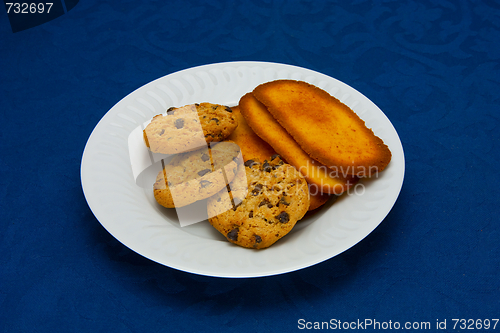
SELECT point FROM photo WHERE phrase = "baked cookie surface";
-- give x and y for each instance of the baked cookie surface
(277, 197)
(196, 175)
(270, 130)
(189, 127)
(316, 198)
(326, 129)
(251, 145)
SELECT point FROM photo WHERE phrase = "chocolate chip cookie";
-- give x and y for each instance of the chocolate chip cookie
(277, 197)
(189, 127)
(197, 175)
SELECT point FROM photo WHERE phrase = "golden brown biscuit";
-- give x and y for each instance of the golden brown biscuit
(317, 199)
(251, 145)
(265, 126)
(254, 148)
(325, 128)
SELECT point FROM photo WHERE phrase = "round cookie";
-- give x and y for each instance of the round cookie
(196, 175)
(189, 127)
(277, 197)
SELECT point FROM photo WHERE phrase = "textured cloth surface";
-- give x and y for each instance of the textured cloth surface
(432, 67)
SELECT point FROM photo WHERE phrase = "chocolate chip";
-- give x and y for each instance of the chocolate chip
(267, 167)
(250, 215)
(274, 156)
(205, 183)
(233, 234)
(256, 190)
(171, 111)
(205, 157)
(264, 202)
(203, 172)
(249, 163)
(216, 120)
(179, 123)
(258, 239)
(283, 201)
(228, 109)
(283, 217)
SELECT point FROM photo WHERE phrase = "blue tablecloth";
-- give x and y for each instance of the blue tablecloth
(432, 67)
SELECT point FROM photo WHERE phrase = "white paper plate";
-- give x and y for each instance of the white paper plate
(130, 213)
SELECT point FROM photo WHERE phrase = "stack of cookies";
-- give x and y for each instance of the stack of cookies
(253, 204)
(301, 147)
(316, 133)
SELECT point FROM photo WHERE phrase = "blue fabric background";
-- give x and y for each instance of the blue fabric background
(432, 67)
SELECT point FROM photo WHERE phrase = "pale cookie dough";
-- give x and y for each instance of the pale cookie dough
(196, 175)
(189, 127)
